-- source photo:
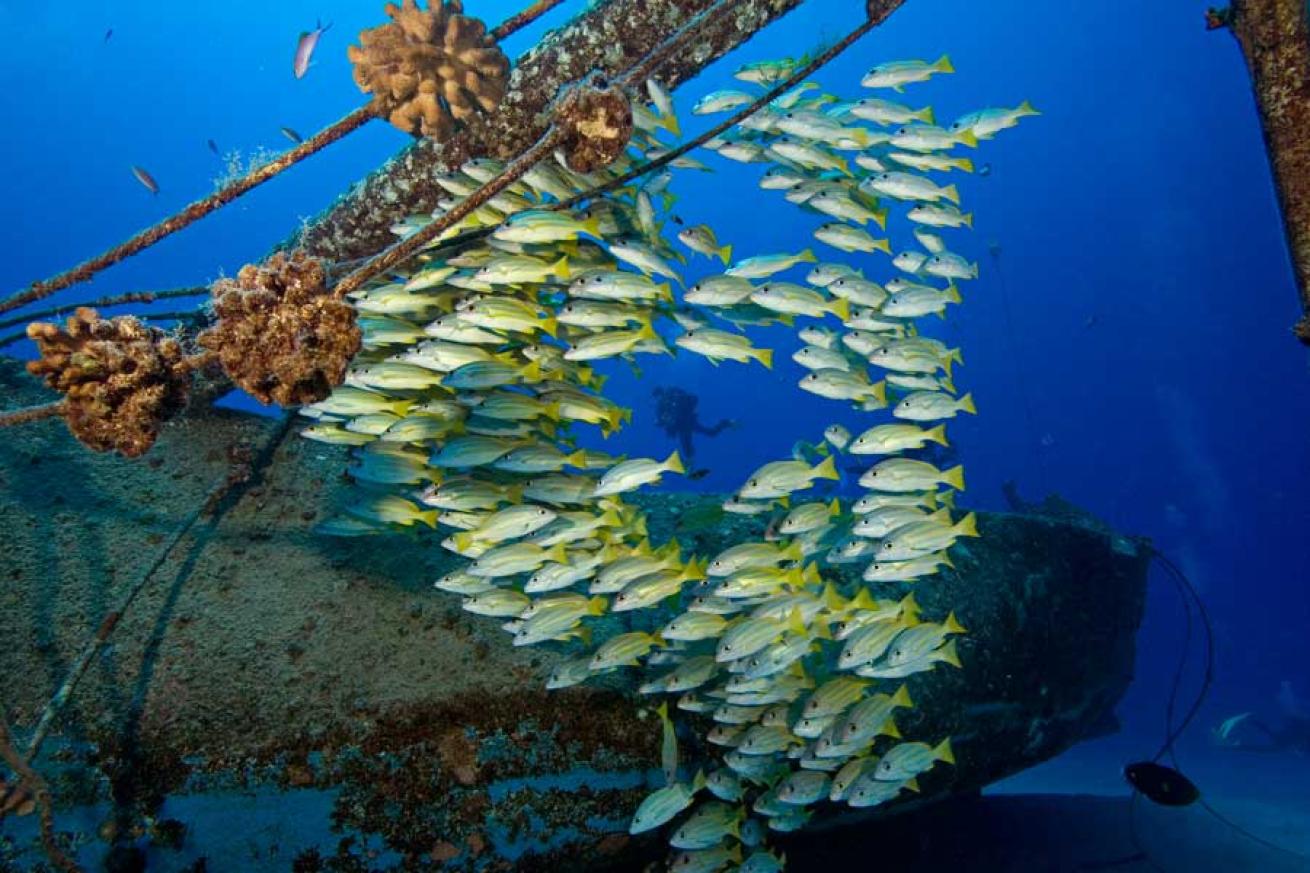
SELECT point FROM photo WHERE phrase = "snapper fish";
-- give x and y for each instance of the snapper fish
(305, 45)
(897, 74)
(986, 123)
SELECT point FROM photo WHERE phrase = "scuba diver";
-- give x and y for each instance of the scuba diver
(675, 413)
(1292, 735)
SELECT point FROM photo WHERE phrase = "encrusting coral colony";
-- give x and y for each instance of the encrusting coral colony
(470, 375)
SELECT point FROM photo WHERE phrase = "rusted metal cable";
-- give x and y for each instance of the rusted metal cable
(523, 19)
(637, 74)
(412, 245)
(192, 213)
(32, 413)
(105, 303)
(33, 781)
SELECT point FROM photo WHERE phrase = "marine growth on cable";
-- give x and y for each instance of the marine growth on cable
(478, 372)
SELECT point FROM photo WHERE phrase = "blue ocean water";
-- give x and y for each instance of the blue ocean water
(1127, 343)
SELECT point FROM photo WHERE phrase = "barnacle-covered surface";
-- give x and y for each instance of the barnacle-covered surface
(279, 334)
(430, 69)
(120, 378)
(1275, 38)
(277, 658)
(609, 37)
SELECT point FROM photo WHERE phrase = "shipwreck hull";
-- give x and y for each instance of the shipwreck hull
(268, 659)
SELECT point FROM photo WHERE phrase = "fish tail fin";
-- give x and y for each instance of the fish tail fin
(592, 226)
(949, 654)
(902, 697)
(834, 508)
(663, 711)
(925, 115)
(966, 404)
(428, 517)
(890, 730)
(462, 540)
(698, 782)
(955, 477)
(841, 307)
(561, 268)
(951, 193)
(558, 554)
(670, 123)
(647, 331)
(550, 324)
(793, 552)
(965, 164)
(937, 435)
(845, 167)
(531, 372)
(597, 605)
(943, 752)
(879, 390)
(968, 526)
(882, 245)
(973, 269)
(969, 138)
(953, 626)
(764, 356)
(826, 469)
(943, 65)
(666, 292)
(1026, 108)
(810, 575)
(952, 293)
(577, 459)
(806, 256)
(955, 355)
(673, 463)
(725, 253)
(880, 216)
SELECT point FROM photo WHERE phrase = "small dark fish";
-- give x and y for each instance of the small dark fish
(108, 34)
(213, 146)
(698, 474)
(676, 220)
(292, 135)
(305, 46)
(145, 179)
(985, 170)
(1161, 784)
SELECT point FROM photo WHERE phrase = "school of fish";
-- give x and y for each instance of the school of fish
(479, 371)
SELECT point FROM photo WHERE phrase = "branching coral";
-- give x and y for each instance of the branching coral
(430, 69)
(281, 335)
(121, 378)
(596, 120)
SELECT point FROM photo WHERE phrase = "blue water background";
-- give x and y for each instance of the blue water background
(1145, 370)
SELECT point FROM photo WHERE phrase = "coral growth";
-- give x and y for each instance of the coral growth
(429, 69)
(597, 121)
(121, 378)
(280, 334)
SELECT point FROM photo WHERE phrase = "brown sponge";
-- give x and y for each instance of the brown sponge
(429, 69)
(280, 334)
(596, 119)
(121, 378)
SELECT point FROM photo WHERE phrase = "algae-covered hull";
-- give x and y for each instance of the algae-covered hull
(267, 658)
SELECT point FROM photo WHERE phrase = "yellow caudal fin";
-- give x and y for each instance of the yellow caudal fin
(550, 325)
(879, 391)
(862, 600)
(834, 508)
(810, 575)
(1026, 108)
(577, 459)
(725, 253)
(841, 307)
(952, 294)
(670, 123)
(673, 463)
(973, 269)
(796, 623)
(609, 518)
(943, 65)
(793, 552)
(647, 331)
(943, 752)
(966, 404)
(429, 518)
(514, 493)
(965, 164)
(666, 292)
(968, 526)
(806, 256)
(967, 218)
(924, 115)
(942, 517)
(400, 407)
(845, 167)
(937, 435)
(902, 697)
(825, 469)
(558, 554)
(969, 138)
(764, 356)
(462, 541)
(955, 477)
(951, 193)
(785, 501)
(597, 605)
(561, 268)
(592, 227)
(883, 245)
(880, 216)
(889, 729)
(948, 654)
(953, 626)
(908, 605)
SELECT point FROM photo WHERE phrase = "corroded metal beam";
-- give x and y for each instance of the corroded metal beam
(610, 37)
(1275, 38)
